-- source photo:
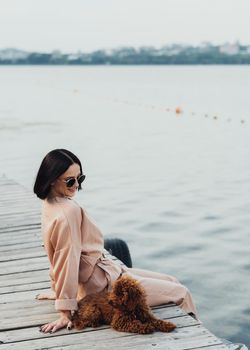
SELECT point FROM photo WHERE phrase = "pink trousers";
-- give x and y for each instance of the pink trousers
(162, 289)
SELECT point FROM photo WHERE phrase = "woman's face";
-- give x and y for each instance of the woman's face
(59, 187)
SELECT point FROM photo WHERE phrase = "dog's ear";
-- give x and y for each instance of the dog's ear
(134, 293)
(127, 288)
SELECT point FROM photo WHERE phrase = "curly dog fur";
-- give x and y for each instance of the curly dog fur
(124, 308)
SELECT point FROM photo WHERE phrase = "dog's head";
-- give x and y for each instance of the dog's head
(126, 294)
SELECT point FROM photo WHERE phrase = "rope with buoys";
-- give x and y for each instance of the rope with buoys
(178, 110)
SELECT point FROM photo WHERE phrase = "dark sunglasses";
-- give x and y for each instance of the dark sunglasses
(71, 180)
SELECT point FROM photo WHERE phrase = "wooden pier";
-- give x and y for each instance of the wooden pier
(24, 273)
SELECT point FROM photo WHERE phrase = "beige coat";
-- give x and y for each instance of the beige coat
(78, 266)
(74, 246)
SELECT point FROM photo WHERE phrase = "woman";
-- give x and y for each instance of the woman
(75, 246)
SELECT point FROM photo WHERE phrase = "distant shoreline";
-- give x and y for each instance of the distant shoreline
(120, 64)
(207, 54)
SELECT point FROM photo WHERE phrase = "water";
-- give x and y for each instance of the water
(175, 187)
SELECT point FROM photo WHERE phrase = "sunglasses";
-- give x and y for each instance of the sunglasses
(72, 180)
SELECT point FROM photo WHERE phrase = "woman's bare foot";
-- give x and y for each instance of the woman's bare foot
(46, 296)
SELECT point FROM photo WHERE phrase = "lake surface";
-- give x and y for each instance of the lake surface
(174, 186)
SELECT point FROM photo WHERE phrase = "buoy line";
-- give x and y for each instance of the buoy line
(178, 110)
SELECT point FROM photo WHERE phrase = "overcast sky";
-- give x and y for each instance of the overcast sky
(72, 25)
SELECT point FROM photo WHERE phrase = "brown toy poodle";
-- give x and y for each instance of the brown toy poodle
(124, 308)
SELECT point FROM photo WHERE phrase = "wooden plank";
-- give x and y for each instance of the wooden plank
(26, 304)
(12, 246)
(12, 265)
(28, 319)
(33, 236)
(19, 296)
(24, 287)
(9, 318)
(34, 264)
(16, 195)
(24, 227)
(41, 308)
(17, 213)
(20, 228)
(12, 235)
(16, 219)
(180, 339)
(24, 277)
(19, 243)
(20, 284)
(22, 220)
(213, 347)
(22, 254)
(32, 332)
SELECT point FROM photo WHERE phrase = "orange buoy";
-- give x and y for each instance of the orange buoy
(178, 110)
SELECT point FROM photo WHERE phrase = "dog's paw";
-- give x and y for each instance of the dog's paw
(167, 326)
(148, 329)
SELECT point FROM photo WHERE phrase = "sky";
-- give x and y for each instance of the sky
(81, 25)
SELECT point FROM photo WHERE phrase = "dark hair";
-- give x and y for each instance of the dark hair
(53, 165)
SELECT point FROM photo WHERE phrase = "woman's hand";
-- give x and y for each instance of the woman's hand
(62, 322)
(46, 296)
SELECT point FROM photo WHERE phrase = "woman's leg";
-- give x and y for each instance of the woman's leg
(151, 274)
(164, 290)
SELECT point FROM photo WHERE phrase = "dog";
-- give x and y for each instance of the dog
(124, 308)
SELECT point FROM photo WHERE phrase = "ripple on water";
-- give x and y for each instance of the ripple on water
(211, 218)
(158, 226)
(222, 230)
(14, 124)
(171, 214)
(217, 231)
(246, 267)
(180, 250)
(246, 311)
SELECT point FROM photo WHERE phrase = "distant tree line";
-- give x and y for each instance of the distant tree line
(130, 56)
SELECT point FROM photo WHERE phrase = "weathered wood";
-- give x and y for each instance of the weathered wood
(181, 338)
(26, 304)
(24, 273)
(36, 265)
(11, 320)
(19, 229)
(20, 296)
(29, 239)
(22, 235)
(17, 334)
(22, 254)
(11, 246)
(24, 287)
(28, 262)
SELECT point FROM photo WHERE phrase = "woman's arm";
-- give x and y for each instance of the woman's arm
(66, 241)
